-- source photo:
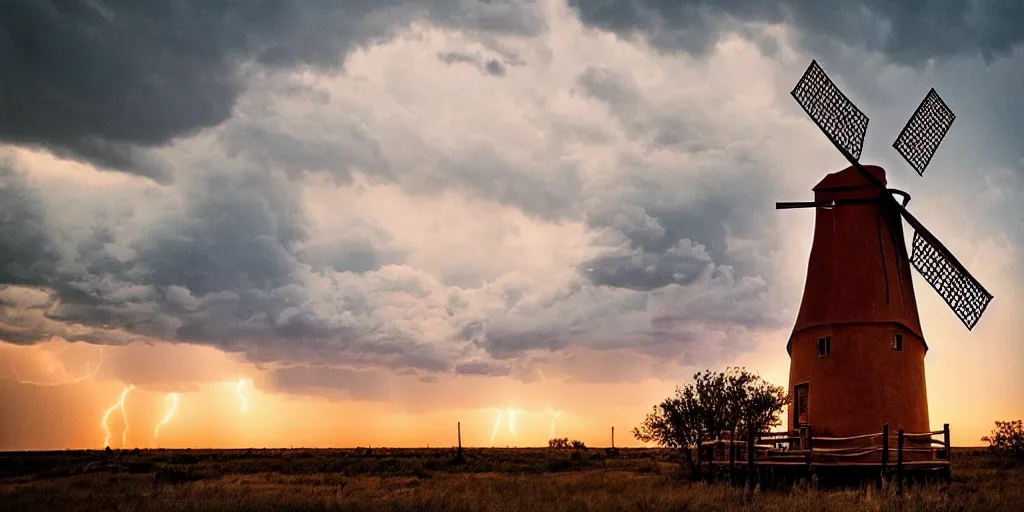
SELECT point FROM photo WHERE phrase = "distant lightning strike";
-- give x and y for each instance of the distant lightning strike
(124, 416)
(241, 395)
(90, 372)
(173, 398)
(497, 426)
(510, 424)
(554, 417)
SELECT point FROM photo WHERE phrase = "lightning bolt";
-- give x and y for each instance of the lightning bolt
(497, 426)
(124, 416)
(173, 398)
(241, 396)
(512, 423)
(90, 372)
(555, 414)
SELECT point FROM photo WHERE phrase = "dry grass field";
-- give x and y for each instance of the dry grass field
(425, 479)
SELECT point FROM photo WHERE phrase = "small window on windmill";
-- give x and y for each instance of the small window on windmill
(897, 342)
(824, 346)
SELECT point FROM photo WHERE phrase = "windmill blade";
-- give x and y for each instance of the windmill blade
(924, 132)
(961, 291)
(841, 121)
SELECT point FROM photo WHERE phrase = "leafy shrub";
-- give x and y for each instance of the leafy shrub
(559, 443)
(578, 445)
(1007, 438)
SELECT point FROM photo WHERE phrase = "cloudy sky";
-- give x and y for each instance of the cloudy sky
(358, 222)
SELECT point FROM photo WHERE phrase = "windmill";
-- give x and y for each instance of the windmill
(857, 349)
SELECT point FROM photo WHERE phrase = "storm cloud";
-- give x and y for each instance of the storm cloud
(908, 32)
(105, 81)
(358, 192)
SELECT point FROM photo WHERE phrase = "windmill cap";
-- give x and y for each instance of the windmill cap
(850, 178)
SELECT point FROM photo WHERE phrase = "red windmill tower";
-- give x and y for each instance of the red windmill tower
(857, 349)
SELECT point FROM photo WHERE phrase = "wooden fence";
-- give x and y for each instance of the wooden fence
(893, 453)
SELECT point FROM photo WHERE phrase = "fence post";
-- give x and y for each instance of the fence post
(899, 463)
(949, 452)
(750, 459)
(885, 449)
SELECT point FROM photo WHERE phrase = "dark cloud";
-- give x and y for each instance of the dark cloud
(495, 68)
(483, 367)
(28, 254)
(642, 117)
(616, 89)
(672, 322)
(339, 154)
(457, 57)
(488, 66)
(908, 32)
(485, 172)
(224, 270)
(103, 81)
(232, 261)
(637, 269)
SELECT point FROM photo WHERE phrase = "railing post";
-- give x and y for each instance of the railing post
(949, 452)
(899, 463)
(810, 446)
(945, 441)
(885, 449)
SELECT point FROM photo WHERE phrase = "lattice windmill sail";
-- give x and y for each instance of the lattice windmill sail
(924, 132)
(845, 125)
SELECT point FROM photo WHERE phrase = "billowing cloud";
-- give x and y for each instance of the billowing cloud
(908, 32)
(105, 81)
(315, 229)
(587, 209)
(27, 253)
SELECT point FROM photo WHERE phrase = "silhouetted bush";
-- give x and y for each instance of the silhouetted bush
(1007, 439)
(559, 443)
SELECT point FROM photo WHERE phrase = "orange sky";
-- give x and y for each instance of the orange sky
(68, 388)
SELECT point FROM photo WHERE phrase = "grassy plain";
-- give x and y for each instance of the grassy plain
(425, 479)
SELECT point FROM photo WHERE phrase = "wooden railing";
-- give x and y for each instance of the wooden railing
(801, 448)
